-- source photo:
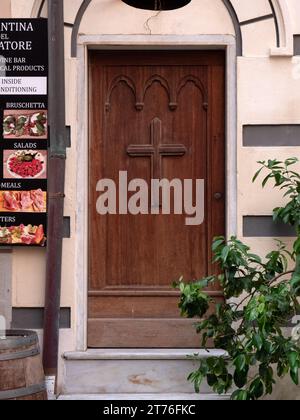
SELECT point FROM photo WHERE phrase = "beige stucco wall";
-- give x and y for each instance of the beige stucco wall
(294, 7)
(5, 9)
(268, 92)
(22, 8)
(212, 18)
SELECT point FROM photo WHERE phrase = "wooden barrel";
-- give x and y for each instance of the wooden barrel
(21, 370)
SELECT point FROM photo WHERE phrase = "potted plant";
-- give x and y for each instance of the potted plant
(261, 298)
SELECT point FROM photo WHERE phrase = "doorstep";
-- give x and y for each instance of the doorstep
(142, 354)
(132, 371)
(144, 397)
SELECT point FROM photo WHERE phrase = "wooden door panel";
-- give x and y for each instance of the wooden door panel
(143, 305)
(154, 115)
(149, 332)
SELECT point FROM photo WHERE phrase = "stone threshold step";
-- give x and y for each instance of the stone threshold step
(143, 397)
(142, 354)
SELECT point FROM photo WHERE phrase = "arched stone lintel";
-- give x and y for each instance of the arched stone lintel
(282, 22)
(37, 8)
(286, 42)
(237, 27)
(86, 3)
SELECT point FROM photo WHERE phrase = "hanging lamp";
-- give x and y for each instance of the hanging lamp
(157, 4)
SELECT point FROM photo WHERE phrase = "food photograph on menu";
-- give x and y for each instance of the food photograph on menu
(22, 235)
(25, 164)
(34, 201)
(24, 133)
(25, 124)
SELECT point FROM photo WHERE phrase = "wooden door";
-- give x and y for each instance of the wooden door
(155, 115)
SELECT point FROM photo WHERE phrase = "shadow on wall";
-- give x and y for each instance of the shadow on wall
(285, 390)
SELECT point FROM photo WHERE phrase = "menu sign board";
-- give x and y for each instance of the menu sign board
(23, 132)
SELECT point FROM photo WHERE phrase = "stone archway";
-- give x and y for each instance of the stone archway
(275, 10)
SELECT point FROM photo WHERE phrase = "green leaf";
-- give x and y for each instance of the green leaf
(197, 378)
(219, 367)
(282, 369)
(257, 388)
(240, 362)
(241, 377)
(255, 258)
(266, 375)
(217, 243)
(225, 253)
(295, 283)
(291, 161)
(265, 181)
(212, 380)
(297, 246)
(257, 341)
(257, 174)
(273, 164)
(295, 375)
(240, 395)
(261, 308)
(293, 358)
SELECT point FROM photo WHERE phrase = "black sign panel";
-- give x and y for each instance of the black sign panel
(23, 131)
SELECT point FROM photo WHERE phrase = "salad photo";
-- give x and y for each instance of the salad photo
(25, 164)
(25, 124)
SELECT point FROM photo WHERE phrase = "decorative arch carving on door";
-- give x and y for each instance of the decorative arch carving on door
(164, 83)
(114, 84)
(279, 13)
(196, 81)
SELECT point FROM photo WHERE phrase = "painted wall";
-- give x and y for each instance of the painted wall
(268, 87)
(5, 9)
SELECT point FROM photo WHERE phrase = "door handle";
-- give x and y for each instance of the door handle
(218, 196)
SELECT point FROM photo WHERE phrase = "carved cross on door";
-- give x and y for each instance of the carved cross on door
(156, 149)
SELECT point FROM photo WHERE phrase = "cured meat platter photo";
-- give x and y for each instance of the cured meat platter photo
(34, 201)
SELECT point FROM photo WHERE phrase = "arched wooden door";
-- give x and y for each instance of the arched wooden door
(155, 115)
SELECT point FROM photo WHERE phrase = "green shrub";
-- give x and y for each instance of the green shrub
(266, 292)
